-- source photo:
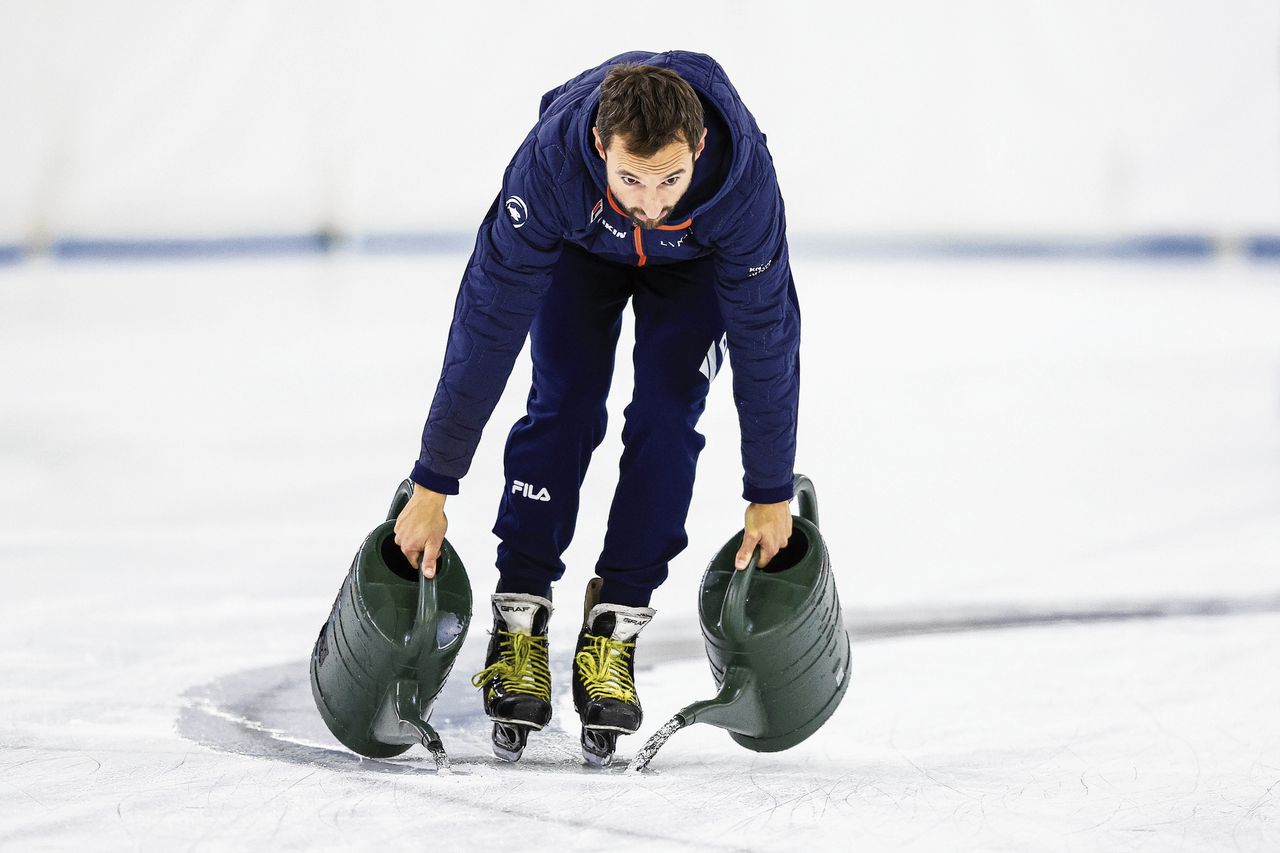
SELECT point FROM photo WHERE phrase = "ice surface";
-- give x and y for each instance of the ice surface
(1085, 454)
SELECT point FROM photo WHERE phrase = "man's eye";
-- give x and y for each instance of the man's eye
(671, 182)
(629, 181)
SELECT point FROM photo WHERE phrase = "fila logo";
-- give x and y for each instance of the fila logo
(714, 359)
(597, 210)
(527, 489)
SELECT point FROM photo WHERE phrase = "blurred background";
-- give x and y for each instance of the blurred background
(1037, 249)
(388, 123)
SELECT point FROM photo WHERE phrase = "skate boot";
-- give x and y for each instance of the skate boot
(516, 679)
(604, 689)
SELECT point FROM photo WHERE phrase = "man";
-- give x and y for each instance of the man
(645, 179)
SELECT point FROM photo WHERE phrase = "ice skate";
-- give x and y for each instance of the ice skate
(604, 691)
(516, 680)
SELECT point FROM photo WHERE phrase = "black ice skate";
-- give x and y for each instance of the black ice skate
(516, 679)
(604, 689)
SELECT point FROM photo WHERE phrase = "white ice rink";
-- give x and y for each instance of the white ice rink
(1051, 492)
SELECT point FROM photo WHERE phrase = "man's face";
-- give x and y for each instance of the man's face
(647, 188)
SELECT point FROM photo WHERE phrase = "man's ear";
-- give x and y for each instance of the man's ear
(599, 147)
(702, 143)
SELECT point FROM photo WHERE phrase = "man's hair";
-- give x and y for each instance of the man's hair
(652, 107)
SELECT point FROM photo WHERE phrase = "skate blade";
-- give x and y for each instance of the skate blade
(509, 740)
(597, 760)
(598, 746)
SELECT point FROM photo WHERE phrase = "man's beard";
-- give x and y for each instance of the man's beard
(638, 220)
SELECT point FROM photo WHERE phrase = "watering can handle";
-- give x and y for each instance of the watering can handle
(734, 610)
(427, 604)
(807, 498)
(424, 627)
(401, 499)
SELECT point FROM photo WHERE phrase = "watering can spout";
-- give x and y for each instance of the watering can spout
(399, 721)
(734, 708)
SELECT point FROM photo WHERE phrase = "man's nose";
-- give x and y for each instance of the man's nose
(652, 205)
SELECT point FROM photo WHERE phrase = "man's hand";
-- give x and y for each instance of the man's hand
(420, 529)
(767, 525)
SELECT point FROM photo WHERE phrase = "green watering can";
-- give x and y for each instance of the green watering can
(388, 645)
(775, 640)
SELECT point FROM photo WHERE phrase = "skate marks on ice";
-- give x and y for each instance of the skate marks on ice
(268, 712)
(868, 625)
(954, 620)
(1107, 757)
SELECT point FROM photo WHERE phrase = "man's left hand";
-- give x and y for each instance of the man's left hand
(767, 525)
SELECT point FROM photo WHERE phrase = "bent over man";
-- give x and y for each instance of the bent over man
(645, 179)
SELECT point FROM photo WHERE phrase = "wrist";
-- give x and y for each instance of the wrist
(423, 494)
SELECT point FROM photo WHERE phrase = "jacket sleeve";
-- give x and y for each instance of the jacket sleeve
(510, 268)
(762, 324)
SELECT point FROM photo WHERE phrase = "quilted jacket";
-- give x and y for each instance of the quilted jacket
(555, 190)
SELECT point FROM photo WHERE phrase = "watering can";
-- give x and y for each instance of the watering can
(388, 645)
(774, 637)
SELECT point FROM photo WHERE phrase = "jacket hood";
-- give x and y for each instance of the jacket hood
(572, 113)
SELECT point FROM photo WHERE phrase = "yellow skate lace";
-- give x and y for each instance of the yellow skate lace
(603, 667)
(522, 667)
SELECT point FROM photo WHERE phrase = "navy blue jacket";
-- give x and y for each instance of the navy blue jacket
(555, 190)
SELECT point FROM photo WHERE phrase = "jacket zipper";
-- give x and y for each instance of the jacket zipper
(635, 229)
(641, 257)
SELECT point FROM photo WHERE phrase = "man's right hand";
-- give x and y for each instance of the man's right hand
(420, 529)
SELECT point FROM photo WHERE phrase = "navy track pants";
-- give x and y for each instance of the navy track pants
(679, 348)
